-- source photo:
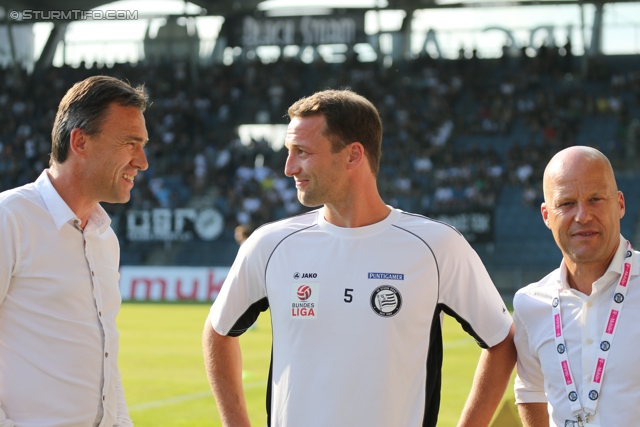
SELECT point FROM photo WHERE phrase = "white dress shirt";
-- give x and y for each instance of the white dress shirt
(540, 377)
(59, 298)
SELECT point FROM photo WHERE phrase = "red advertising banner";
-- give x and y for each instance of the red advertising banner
(152, 283)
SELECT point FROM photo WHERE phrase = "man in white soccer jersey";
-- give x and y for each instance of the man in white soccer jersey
(571, 371)
(356, 291)
(59, 259)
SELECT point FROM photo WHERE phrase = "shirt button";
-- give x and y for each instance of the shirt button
(589, 341)
(589, 378)
(589, 304)
(99, 313)
(92, 273)
(106, 355)
(103, 398)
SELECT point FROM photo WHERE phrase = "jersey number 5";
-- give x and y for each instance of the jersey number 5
(348, 297)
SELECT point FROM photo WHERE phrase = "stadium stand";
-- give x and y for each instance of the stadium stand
(459, 135)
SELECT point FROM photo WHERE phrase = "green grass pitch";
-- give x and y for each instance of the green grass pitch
(164, 378)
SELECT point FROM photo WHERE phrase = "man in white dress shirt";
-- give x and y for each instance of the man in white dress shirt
(571, 371)
(59, 258)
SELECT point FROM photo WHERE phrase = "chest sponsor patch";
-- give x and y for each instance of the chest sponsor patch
(386, 301)
(385, 276)
(304, 300)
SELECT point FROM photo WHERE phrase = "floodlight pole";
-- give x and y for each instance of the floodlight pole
(379, 44)
(46, 56)
(12, 47)
(595, 47)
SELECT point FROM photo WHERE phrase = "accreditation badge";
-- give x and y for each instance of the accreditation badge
(570, 423)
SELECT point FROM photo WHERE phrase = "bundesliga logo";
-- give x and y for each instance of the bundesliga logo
(304, 292)
(304, 299)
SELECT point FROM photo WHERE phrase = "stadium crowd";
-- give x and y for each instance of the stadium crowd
(427, 107)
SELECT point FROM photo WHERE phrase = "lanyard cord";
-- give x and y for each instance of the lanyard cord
(583, 412)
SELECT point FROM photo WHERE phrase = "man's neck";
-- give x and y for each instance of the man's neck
(353, 219)
(582, 277)
(580, 284)
(66, 186)
(359, 207)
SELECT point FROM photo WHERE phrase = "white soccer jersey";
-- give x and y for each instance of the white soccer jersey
(356, 315)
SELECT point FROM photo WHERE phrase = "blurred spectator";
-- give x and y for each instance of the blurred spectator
(242, 233)
(195, 152)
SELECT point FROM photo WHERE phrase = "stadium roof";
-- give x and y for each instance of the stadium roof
(227, 7)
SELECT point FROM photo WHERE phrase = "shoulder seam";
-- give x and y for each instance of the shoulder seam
(431, 219)
(286, 219)
(430, 250)
(266, 266)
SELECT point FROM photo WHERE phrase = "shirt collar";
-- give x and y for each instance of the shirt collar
(61, 213)
(618, 260)
(613, 271)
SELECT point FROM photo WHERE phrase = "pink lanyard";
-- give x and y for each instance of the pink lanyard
(583, 412)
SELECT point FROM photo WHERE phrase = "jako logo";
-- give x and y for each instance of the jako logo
(304, 292)
(296, 275)
(305, 275)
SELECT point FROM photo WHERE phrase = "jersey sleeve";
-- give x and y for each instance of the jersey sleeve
(243, 294)
(467, 293)
(529, 382)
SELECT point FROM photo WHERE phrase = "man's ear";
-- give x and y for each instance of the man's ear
(78, 142)
(356, 155)
(545, 214)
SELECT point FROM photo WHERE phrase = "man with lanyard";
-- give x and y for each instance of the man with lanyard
(571, 370)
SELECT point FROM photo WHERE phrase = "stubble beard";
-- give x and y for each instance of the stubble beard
(309, 199)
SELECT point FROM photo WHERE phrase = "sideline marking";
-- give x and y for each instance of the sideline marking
(458, 343)
(193, 396)
(183, 398)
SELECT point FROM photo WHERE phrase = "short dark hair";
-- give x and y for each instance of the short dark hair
(84, 107)
(349, 118)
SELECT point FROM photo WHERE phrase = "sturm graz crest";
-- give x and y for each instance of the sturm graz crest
(554, 302)
(605, 346)
(386, 301)
(593, 395)
(618, 297)
(561, 348)
(629, 253)
(573, 396)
